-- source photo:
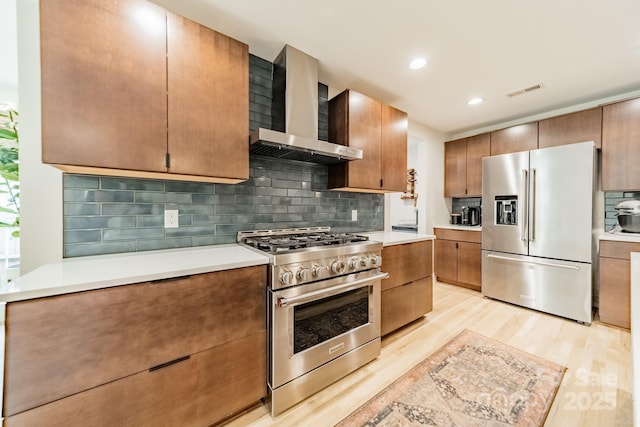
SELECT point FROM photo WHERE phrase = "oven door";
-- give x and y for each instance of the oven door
(315, 323)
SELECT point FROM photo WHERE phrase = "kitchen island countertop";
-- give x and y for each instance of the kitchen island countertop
(390, 238)
(104, 271)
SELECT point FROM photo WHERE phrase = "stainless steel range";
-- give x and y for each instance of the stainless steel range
(324, 308)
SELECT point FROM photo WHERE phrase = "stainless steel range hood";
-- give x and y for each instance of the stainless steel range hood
(294, 114)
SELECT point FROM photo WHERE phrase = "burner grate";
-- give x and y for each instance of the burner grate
(277, 243)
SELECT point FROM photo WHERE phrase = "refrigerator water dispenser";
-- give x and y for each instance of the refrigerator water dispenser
(506, 210)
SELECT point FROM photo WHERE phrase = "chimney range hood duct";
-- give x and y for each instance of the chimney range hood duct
(294, 112)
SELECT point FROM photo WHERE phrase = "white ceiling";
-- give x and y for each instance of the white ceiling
(580, 50)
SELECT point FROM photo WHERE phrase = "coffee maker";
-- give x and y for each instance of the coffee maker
(475, 215)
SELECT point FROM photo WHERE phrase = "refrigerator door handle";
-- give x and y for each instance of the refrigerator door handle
(524, 210)
(533, 206)
(527, 261)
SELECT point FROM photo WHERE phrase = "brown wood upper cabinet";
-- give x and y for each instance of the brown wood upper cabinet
(380, 131)
(515, 138)
(463, 165)
(621, 145)
(580, 126)
(123, 98)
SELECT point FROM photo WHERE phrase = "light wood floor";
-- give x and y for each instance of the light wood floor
(596, 390)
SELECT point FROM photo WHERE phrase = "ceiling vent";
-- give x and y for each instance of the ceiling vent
(525, 90)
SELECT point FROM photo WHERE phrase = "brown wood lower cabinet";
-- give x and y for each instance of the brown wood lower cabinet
(615, 282)
(407, 294)
(92, 356)
(208, 386)
(458, 255)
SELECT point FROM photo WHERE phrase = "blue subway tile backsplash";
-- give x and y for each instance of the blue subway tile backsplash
(212, 213)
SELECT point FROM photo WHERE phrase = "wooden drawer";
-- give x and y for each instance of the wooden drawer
(620, 250)
(406, 263)
(187, 393)
(404, 304)
(459, 235)
(66, 344)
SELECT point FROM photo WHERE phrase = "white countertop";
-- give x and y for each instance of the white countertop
(391, 238)
(95, 272)
(460, 227)
(618, 236)
(635, 334)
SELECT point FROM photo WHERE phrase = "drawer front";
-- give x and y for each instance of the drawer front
(199, 391)
(69, 343)
(406, 263)
(404, 304)
(620, 250)
(459, 235)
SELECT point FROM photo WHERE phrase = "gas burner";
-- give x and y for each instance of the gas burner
(280, 241)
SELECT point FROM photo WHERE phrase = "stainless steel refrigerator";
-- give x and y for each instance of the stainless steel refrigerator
(537, 229)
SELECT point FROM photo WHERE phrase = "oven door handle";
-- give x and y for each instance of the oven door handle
(310, 296)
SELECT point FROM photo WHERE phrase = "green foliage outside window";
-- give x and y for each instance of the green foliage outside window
(9, 168)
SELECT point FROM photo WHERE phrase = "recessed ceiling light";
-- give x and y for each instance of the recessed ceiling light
(474, 101)
(417, 63)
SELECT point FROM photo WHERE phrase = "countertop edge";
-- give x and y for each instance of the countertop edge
(100, 272)
(606, 235)
(459, 227)
(391, 238)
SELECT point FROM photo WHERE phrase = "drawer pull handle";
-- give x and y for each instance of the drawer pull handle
(171, 362)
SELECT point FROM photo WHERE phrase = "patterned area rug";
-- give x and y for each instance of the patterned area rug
(471, 381)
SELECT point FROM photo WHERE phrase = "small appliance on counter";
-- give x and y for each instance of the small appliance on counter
(456, 219)
(475, 216)
(628, 212)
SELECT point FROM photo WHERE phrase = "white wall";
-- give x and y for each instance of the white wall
(8, 52)
(40, 185)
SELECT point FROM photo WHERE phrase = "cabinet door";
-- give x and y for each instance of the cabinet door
(394, 149)
(208, 98)
(615, 292)
(621, 145)
(365, 133)
(470, 264)
(104, 93)
(65, 344)
(406, 263)
(404, 304)
(571, 128)
(446, 260)
(516, 138)
(455, 168)
(478, 146)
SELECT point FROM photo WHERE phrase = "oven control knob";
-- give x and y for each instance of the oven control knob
(337, 267)
(376, 260)
(316, 271)
(286, 277)
(303, 274)
(353, 263)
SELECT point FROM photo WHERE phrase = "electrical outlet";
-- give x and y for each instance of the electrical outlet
(354, 215)
(171, 218)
